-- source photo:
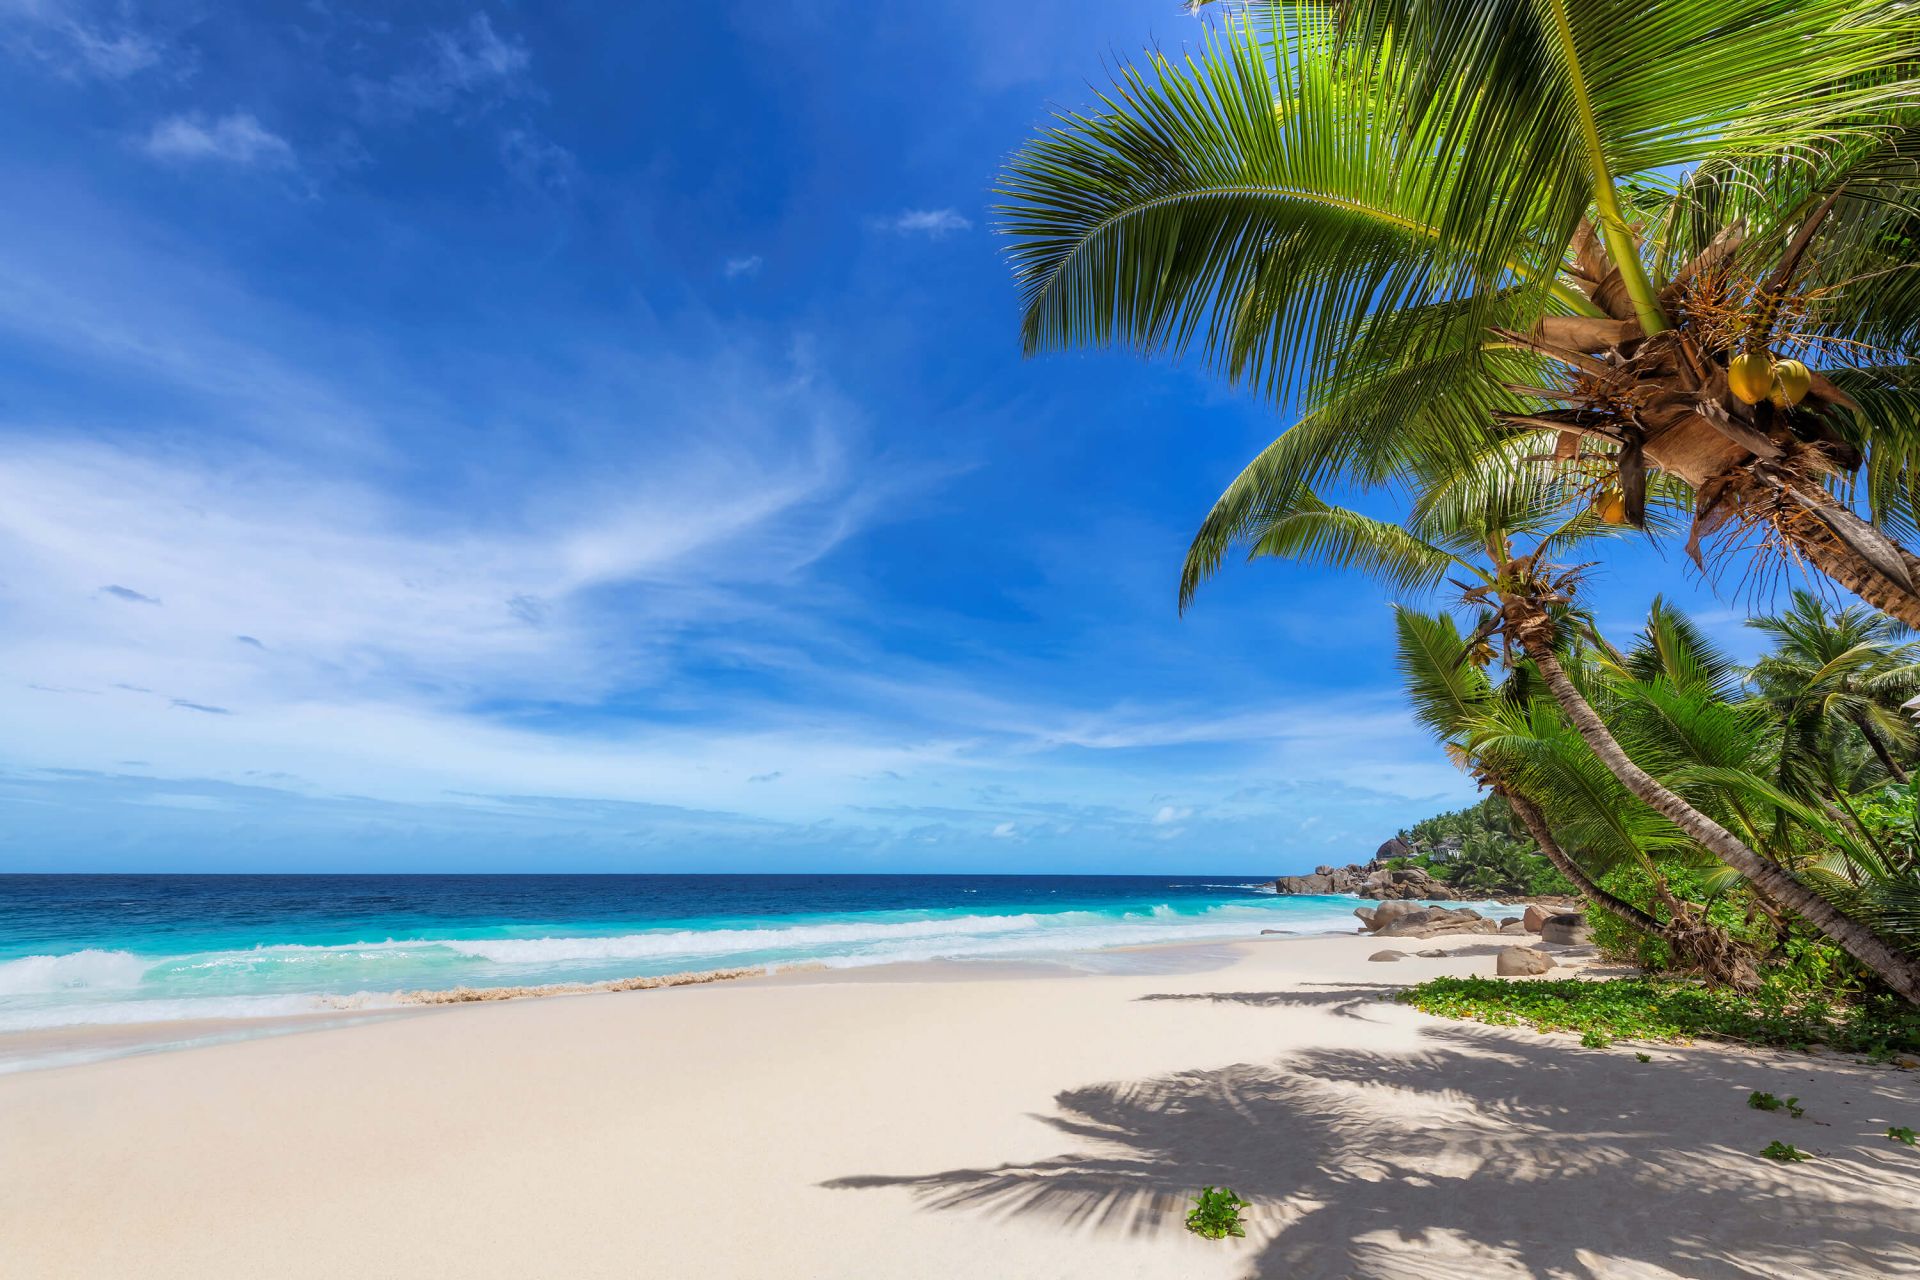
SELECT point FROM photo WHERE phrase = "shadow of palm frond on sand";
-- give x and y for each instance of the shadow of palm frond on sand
(1487, 1153)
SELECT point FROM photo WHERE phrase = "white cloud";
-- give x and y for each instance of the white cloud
(469, 63)
(477, 55)
(934, 223)
(237, 138)
(1005, 831)
(745, 265)
(538, 161)
(1169, 815)
(50, 32)
(375, 635)
(114, 55)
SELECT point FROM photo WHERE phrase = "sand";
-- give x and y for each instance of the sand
(940, 1121)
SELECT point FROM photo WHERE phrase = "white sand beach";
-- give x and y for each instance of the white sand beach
(959, 1121)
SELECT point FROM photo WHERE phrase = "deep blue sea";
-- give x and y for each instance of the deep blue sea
(135, 948)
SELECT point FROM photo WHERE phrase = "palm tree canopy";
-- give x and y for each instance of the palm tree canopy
(1408, 217)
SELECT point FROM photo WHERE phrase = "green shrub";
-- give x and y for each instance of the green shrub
(1216, 1214)
(1892, 818)
(1620, 941)
(1666, 1009)
(1798, 967)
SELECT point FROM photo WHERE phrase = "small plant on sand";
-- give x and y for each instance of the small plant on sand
(1594, 1038)
(1901, 1133)
(1784, 1152)
(1767, 1102)
(1216, 1214)
(1644, 1057)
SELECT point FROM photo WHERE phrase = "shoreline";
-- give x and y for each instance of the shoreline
(996, 1121)
(82, 1043)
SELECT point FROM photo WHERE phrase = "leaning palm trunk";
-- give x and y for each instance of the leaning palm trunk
(1529, 626)
(1879, 748)
(1694, 941)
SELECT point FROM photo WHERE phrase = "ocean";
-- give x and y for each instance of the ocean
(103, 949)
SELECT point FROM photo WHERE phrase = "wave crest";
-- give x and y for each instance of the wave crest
(88, 970)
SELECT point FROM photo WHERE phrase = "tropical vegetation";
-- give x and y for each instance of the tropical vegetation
(1553, 271)
(1663, 1010)
(1483, 849)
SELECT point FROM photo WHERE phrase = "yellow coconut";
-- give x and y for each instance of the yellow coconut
(1611, 506)
(1791, 382)
(1750, 376)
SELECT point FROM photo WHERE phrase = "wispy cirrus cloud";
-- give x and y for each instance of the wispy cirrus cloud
(237, 138)
(459, 66)
(77, 44)
(932, 223)
(538, 161)
(747, 264)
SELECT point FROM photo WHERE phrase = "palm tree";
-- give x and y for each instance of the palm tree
(1520, 747)
(1528, 601)
(1457, 227)
(1832, 673)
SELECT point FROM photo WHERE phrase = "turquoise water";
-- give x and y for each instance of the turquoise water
(78, 950)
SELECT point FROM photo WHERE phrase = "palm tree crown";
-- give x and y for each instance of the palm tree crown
(1464, 234)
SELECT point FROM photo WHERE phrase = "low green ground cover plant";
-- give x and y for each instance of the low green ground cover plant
(1767, 1102)
(1673, 1010)
(1784, 1152)
(1216, 1214)
(1901, 1133)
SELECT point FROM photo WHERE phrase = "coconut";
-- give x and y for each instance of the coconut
(1791, 382)
(1611, 506)
(1750, 376)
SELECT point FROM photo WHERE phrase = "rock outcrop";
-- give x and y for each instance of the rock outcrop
(1323, 880)
(1522, 962)
(1371, 880)
(1409, 920)
(1569, 930)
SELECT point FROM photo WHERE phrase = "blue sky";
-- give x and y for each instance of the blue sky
(594, 437)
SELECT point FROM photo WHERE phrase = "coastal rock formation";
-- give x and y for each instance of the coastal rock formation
(1410, 920)
(1522, 962)
(1371, 880)
(1536, 916)
(1409, 882)
(1569, 930)
(1323, 880)
(1388, 955)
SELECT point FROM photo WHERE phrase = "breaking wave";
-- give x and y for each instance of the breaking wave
(118, 986)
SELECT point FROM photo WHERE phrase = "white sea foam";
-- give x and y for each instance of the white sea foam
(97, 986)
(712, 942)
(210, 1008)
(74, 971)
